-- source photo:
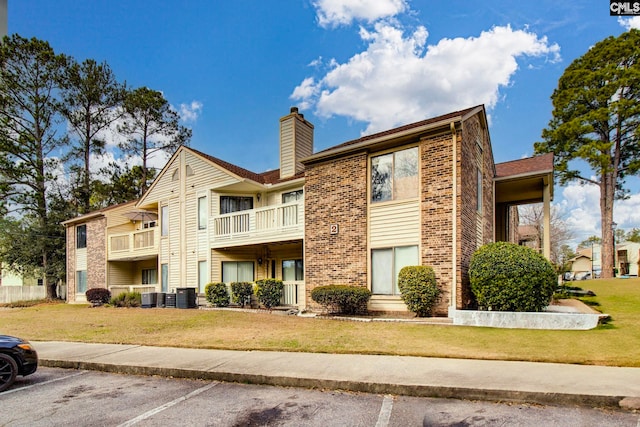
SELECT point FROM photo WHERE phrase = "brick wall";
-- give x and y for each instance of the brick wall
(97, 254)
(472, 132)
(71, 263)
(436, 205)
(336, 193)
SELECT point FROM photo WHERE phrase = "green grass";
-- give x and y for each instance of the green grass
(615, 343)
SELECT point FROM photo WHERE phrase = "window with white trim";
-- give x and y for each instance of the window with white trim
(237, 271)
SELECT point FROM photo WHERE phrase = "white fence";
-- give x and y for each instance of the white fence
(21, 293)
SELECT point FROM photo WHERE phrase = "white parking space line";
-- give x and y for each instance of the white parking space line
(14, 390)
(385, 411)
(167, 405)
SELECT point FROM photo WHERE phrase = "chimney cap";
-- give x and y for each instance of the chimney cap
(294, 110)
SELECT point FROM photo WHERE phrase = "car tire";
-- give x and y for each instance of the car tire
(8, 371)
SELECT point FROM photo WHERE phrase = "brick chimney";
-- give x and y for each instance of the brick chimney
(296, 143)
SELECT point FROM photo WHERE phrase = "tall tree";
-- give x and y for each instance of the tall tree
(30, 73)
(560, 232)
(151, 125)
(122, 184)
(91, 101)
(596, 117)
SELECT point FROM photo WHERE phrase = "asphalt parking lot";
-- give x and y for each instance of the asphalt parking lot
(54, 396)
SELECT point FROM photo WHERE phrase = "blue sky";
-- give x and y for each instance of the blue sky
(353, 66)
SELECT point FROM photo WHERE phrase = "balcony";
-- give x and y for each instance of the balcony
(135, 245)
(262, 225)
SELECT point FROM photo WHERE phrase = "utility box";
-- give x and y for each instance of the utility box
(149, 299)
(161, 300)
(170, 300)
(186, 298)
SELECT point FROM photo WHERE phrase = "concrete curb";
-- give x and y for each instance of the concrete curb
(496, 395)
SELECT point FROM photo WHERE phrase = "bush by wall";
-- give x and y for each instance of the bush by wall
(217, 294)
(98, 296)
(418, 289)
(241, 292)
(269, 292)
(127, 299)
(342, 298)
(508, 277)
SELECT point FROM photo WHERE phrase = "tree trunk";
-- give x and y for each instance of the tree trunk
(607, 190)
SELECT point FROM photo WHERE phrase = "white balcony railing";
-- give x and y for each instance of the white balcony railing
(270, 220)
(133, 244)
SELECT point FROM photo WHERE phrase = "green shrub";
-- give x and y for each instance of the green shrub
(127, 299)
(241, 292)
(98, 296)
(269, 292)
(508, 277)
(342, 298)
(418, 289)
(217, 294)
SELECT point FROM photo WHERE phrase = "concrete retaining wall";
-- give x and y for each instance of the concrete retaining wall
(543, 320)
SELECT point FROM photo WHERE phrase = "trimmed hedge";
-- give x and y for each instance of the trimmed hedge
(418, 289)
(127, 299)
(217, 294)
(269, 292)
(508, 277)
(342, 298)
(98, 296)
(241, 292)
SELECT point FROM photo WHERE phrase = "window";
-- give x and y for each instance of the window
(202, 213)
(81, 236)
(164, 272)
(292, 196)
(240, 271)
(164, 220)
(203, 276)
(292, 270)
(229, 204)
(385, 266)
(394, 176)
(81, 281)
(149, 276)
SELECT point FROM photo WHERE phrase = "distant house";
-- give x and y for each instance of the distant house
(427, 193)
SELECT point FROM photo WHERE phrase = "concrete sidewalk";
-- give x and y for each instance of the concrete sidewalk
(544, 383)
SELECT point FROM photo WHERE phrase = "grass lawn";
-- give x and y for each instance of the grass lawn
(616, 343)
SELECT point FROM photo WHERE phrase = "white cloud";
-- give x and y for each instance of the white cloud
(190, 112)
(344, 12)
(581, 207)
(630, 23)
(399, 79)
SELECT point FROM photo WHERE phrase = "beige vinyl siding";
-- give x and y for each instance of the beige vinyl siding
(287, 149)
(191, 224)
(120, 274)
(81, 259)
(304, 146)
(175, 271)
(394, 224)
(202, 174)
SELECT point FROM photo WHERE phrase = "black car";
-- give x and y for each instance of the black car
(17, 357)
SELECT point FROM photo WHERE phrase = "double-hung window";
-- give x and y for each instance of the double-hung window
(202, 213)
(292, 196)
(394, 176)
(81, 236)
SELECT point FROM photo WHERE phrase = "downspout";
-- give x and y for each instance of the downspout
(454, 222)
